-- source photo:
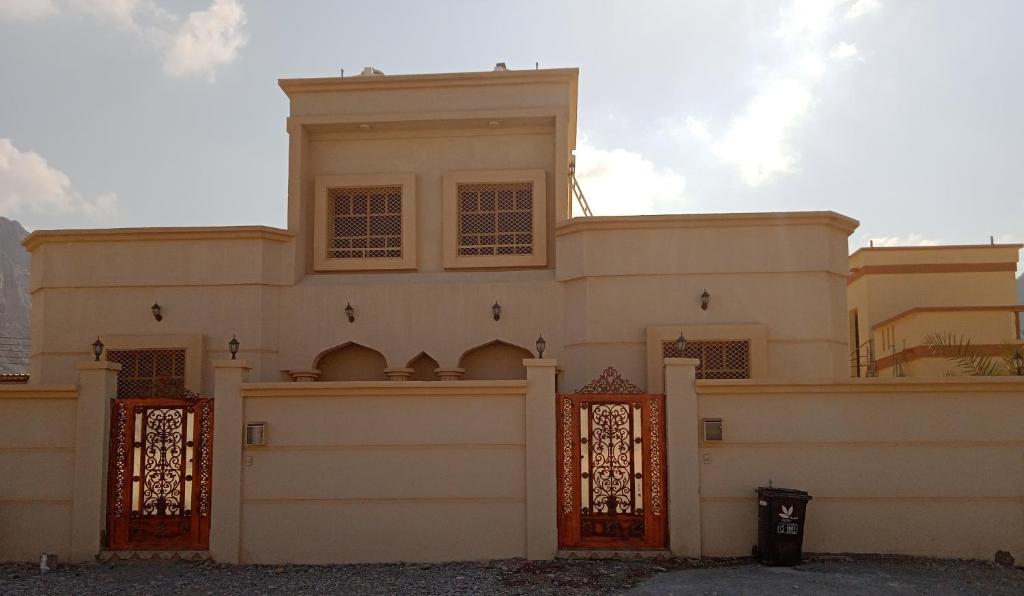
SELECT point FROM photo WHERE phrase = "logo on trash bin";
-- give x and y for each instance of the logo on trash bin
(788, 521)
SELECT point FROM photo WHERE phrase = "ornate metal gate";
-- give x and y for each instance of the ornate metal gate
(160, 473)
(612, 481)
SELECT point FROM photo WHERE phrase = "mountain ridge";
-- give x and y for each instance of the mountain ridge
(15, 263)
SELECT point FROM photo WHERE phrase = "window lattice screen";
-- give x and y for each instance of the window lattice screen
(365, 222)
(495, 219)
(149, 373)
(727, 359)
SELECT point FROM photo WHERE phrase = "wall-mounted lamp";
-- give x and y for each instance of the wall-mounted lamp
(233, 346)
(255, 433)
(1018, 360)
(496, 310)
(541, 346)
(681, 345)
(705, 298)
(97, 348)
(350, 312)
(156, 312)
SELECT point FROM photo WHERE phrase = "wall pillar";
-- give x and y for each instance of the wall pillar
(228, 433)
(541, 515)
(449, 374)
(399, 374)
(681, 429)
(97, 385)
(304, 375)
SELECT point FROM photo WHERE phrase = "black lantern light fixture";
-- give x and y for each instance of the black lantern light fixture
(705, 298)
(681, 345)
(97, 348)
(541, 345)
(1018, 361)
(350, 313)
(233, 346)
(156, 312)
(496, 311)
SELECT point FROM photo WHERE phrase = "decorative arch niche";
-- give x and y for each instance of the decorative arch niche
(496, 360)
(423, 365)
(351, 362)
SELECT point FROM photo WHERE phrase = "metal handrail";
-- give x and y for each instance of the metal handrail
(861, 358)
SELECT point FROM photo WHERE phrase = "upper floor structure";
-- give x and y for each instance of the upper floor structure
(431, 236)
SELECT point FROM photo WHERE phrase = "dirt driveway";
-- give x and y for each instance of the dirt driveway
(843, 575)
(831, 575)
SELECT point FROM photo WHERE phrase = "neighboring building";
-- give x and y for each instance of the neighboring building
(898, 296)
(422, 201)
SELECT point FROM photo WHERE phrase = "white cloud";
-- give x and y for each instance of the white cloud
(26, 10)
(621, 182)
(29, 183)
(862, 7)
(210, 38)
(121, 12)
(205, 41)
(758, 139)
(842, 51)
(756, 142)
(698, 129)
(911, 239)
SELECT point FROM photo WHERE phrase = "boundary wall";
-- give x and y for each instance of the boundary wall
(465, 470)
(929, 467)
(37, 452)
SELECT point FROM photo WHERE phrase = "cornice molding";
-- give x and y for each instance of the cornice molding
(707, 220)
(859, 272)
(23, 391)
(40, 237)
(364, 389)
(433, 81)
(934, 309)
(1014, 386)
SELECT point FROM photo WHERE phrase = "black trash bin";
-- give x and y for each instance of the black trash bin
(781, 514)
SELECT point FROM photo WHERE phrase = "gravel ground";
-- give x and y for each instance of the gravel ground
(826, 575)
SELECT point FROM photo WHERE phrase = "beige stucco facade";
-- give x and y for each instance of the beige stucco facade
(596, 288)
(387, 346)
(898, 296)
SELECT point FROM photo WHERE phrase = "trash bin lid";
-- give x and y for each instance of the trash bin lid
(786, 493)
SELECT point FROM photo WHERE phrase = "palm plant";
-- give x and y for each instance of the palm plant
(958, 349)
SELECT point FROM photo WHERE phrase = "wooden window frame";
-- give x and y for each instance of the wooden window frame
(451, 182)
(321, 206)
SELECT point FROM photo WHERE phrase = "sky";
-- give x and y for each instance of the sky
(907, 115)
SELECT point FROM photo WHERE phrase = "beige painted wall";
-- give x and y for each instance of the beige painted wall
(911, 466)
(37, 430)
(621, 275)
(408, 471)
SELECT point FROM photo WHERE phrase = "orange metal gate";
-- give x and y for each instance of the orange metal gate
(160, 473)
(612, 485)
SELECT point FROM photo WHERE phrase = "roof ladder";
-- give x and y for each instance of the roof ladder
(577, 191)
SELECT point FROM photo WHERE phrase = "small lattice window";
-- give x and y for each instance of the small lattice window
(725, 359)
(365, 222)
(495, 219)
(149, 373)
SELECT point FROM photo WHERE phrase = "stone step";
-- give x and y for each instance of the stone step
(113, 556)
(656, 554)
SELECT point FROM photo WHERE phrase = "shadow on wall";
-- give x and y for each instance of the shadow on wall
(423, 366)
(351, 362)
(496, 360)
(493, 361)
